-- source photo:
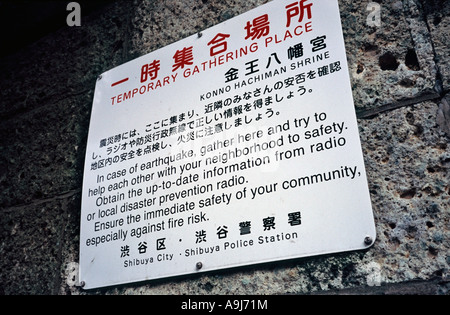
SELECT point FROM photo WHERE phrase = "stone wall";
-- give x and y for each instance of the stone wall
(400, 79)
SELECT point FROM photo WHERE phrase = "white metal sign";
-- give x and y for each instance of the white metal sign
(235, 146)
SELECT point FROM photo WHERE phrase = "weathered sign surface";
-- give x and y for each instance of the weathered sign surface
(238, 145)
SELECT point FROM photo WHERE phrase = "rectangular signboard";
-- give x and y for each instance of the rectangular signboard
(235, 146)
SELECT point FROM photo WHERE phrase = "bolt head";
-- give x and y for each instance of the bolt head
(199, 265)
(368, 240)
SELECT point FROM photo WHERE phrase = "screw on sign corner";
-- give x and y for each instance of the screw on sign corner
(199, 265)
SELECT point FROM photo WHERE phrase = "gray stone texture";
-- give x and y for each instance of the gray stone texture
(400, 76)
(392, 62)
(437, 16)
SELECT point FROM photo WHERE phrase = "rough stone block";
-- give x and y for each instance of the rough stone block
(391, 58)
(63, 64)
(159, 23)
(42, 151)
(407, 158)
(437, 14)
(33, 237)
